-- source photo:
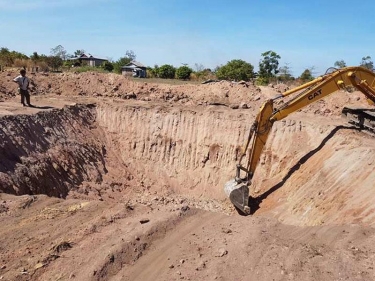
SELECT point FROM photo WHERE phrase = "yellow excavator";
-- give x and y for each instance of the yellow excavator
(346, 78)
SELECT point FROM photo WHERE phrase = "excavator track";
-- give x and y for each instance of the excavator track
(361, 117)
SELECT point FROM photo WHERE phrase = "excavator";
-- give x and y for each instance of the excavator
(346, 78)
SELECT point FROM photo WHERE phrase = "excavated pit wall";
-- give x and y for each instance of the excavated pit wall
(50, 152)
(312, 174)
(192, 152)
(309, 173)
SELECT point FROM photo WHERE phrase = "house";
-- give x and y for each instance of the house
(88, 59)
(135, 69)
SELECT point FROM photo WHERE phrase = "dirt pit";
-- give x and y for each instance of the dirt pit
(110, 188)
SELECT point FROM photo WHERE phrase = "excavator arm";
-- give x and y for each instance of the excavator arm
(363, 79)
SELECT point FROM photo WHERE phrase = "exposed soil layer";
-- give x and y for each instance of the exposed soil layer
(131, 188)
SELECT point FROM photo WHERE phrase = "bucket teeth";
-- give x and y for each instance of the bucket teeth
(238, 194)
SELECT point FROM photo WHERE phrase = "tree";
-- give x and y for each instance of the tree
(5, 57)
(122, 61)
(54, 62)
(117, 65)
(131, 55)
(367, 63)
(235, 70)
(284, 73)
(183, 72)
(155, 70)
(107, 66)
(340, 64)
(34, 57)
(306, 75)
(269, 65)
(198, 67)
(77, 53)
(152, 72)
(59, 51)
(166, 71)
(8, 58)
(69, 63)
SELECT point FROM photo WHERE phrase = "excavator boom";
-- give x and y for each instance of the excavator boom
(362, 79)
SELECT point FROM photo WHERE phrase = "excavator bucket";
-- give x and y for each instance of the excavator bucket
(238, 193)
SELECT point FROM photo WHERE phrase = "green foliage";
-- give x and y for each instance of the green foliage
(107, 66)
(166, 71)
(263, 81)
(183, 72)
(150, 72)
(367, 63)
(117, 65)
(306, 75)
(77, 53)
(68, 63)
(268, 66)
(204, 74)
(201, 73)
(54, 62)
(155, 70)
(236, 70)
(7, 58)
(35, 57)
(340, 64)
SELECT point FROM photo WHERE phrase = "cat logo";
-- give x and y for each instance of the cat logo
(315, 94)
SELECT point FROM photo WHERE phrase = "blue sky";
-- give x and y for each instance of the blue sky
(210, 33)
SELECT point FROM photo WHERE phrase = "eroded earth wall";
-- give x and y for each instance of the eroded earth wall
(50, 152)
(192, 152)
(313, 173)
(310, 173)
(313, 170)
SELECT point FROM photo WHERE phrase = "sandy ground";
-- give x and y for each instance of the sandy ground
(131, 188)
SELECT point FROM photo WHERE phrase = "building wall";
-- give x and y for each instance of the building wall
(127, 72)
(95, 62)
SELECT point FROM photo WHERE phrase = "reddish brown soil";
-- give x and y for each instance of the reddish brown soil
(116, 179)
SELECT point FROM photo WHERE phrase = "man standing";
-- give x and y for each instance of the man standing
(23, 83)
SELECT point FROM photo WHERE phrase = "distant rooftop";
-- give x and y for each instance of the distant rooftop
(136, 63)
(87, 56)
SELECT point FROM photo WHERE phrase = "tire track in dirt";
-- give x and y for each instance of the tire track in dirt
(157, 259)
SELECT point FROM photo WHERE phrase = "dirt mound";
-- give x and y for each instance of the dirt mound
(94, 84)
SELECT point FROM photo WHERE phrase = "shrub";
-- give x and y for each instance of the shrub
(107, 66)
(166, 71)
(236, 70)
(262, 81)
(183, 72)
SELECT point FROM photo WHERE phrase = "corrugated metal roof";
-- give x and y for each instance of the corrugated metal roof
(87, 56)
(136, 63)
